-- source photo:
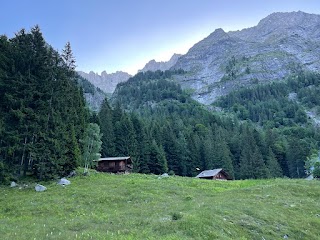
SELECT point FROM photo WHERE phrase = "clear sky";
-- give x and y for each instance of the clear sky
(124, 35)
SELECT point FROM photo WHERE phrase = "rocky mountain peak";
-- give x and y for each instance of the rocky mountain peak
(104, 74)
(281, 44)
(106, 82)
(279, 25)
(153, 65)
(288, 19)
(218, 34)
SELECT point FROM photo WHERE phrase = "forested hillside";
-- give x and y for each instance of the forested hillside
(43, 119)
(164, 129)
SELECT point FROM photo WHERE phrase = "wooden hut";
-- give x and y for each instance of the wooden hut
(114, 164)
(215, 174)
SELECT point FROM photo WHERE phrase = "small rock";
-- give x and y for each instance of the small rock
(165, 175)
(72, 174)
(64, 181)
(286, 236)
(13, 184)
(40, 188)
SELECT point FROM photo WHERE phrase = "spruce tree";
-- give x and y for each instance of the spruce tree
(107, 130)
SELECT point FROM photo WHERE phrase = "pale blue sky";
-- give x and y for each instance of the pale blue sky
(123, 35)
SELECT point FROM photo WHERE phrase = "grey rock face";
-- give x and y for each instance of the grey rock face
(162, 66)
(106, 82)
(281, 44)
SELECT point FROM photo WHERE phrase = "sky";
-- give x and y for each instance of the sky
(123, 35)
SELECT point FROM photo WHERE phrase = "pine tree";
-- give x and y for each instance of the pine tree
(157, 163)
(222, 155)
(107, 129)
(45, 114)
(274, 169)
(68, 57)
(251, 161)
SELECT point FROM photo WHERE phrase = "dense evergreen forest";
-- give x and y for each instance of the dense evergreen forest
(165, 130)
(44, 123)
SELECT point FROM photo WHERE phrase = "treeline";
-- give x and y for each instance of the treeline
(144, 87)
(43, 119)
(278, 104)
(281, 107)
(163, 129)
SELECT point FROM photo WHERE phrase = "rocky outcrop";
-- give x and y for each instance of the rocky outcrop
(106, 82)
(281, 44)
(162, 66)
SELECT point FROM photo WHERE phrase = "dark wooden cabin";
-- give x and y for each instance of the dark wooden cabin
(215, 174)
(114, 164)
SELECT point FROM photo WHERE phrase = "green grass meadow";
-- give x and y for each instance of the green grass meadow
(136, 206)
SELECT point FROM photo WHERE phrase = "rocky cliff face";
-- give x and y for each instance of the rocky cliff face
(163, 66)
(281, 44)
(106, 82)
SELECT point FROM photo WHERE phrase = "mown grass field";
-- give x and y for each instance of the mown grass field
(105, 206)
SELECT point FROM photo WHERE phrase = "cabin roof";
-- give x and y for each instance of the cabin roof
(112, 159)
(212, 173)
(209, 173)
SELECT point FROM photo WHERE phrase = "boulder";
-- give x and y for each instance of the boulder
(40, 188)
(64, 181)
(13, 184)
(72, 174)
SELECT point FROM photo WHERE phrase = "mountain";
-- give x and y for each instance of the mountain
(281, 44)
(94, 96)
(162, 66)
(106, 82)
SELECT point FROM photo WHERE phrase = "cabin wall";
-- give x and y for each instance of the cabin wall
(111, 166)
(220, 176)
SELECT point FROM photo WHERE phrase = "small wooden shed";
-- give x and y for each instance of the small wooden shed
(215, 174)
(114, 164)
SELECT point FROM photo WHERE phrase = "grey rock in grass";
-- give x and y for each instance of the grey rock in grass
(72, 174)
(40, 188)
(13, 184)
(165, 175)
(310, 177)
(64, 181)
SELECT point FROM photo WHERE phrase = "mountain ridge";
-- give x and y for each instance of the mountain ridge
(279, 45)
(153, 65)
(106, 82)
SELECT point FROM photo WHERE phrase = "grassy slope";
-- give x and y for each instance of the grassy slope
(104, 206)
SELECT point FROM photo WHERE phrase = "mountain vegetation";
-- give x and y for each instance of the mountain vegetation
(43, 112)
(265, 135)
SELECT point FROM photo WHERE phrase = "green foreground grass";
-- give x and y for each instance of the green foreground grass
(107, 206)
